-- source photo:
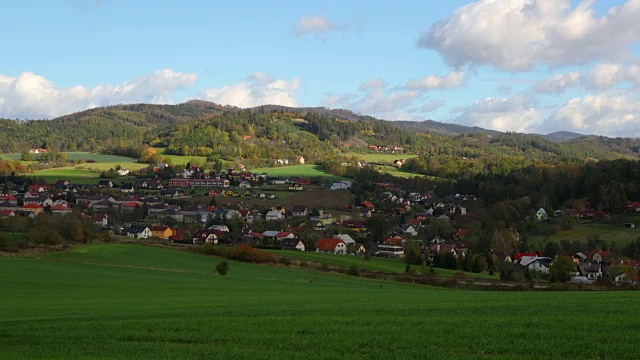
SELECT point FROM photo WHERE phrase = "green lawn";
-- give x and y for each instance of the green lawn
(85, 173)
(612, 233)
(375, 264)
(121, 301)
(180, 159)
(306, 171)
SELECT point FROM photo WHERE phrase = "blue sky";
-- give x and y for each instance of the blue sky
(509, 65)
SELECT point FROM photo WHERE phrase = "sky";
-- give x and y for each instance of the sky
(534, 66)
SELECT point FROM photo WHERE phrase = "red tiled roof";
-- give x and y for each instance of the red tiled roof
(283, 234)
(518, 256)
(32, 206)
(328, 244)
(159, 228)
(60, 207)
(603, 253)
(368, 204)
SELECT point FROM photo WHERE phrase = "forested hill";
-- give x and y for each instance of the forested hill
(271, 132)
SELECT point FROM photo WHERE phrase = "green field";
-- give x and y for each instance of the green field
(85, 173)
(82, 155)
(374, 264)
(180, 159)
(123, 301)
(611, 233)
(306, 171)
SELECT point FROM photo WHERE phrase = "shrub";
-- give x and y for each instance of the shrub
(222, 268)
(246, 253)
(353, 270)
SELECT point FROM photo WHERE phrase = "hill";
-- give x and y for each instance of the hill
(562, 136)
(439, 128)
(129, 301)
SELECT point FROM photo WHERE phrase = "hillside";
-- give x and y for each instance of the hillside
(131, 301)
(263, 134)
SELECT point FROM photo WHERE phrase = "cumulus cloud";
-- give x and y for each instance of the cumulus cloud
(32, 96)
(453, 79)
(257, 89)
(517, 35)
(602, 114)
(558, 83)
(374, 98)
(318, 25)
(608, 75)
(502, 114)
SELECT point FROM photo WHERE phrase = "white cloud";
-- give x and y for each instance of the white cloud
(318, 25)
(602, 114)
(432, 105)
(32, 96)
(257, 89)
(376, 100)
(502, 114)
(517, 35)
(453, 79)
(607, 75)
(558, 83)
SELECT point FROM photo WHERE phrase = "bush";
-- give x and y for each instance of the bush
(222, 268)
(353, 270)
(246, 253)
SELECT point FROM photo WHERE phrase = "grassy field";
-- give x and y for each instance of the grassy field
(312, 197)
(306, 171)
(133, 302)
(611, 233)
(82, 155)
(85, 173)
(375, 264)
(180, 159)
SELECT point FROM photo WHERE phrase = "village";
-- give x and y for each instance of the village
(198, 207)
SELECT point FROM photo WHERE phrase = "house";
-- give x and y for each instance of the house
(161, 232)
(390, 251)
(541, 215)
(292, 244)
(105, 184)
(127, 189)
(342, 185)
(180, 182)
(230, 193)
(244, 184)
(206, 236)
(171, 192)
(296, 187)
(101, 219)
(536, 263)
(345, 238)
(356, 225)
(8, 198)
(171, 214)
(299, 211)
(368, 205)
(331, 246)
(38, 188)
(409, 230)
(7, 213)
(398, 162)
(591, 271)
(60, 210)
(139, 232)
(129, 207)
(155, 185)
(597, 256)
(223, 228)
(365, 212)
(274, 215)
(32, 208)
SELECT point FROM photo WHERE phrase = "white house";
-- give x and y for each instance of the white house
(342, 185)
(274, 215)
(536, 263)
(139, 232)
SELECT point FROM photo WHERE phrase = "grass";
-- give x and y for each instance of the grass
(375, 264)
(312, 197)
(85, 173)
(131, 302)
(306, 171)
(81, 155)
(182, 159)
(611, 233)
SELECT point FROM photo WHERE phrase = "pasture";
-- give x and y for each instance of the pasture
(374, 264)
(121, 301)
(379, 157)
(82, 155)
(305, 171)
(182, 159)
(86, 173)
(616, 234)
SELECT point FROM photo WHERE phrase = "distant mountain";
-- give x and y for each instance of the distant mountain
(562, 136)
(439, 128)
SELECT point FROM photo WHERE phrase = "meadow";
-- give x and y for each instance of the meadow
(616, 234)
(83, 174)
(374, 264)
(306, 171)
(81, 155)
(380, 157)
(120, 301)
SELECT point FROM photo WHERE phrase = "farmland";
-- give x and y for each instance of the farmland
(611, 233)
(128, 301)
(86, 173)
(308, 171)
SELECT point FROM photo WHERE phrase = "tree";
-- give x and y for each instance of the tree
(562, 269)
(222, 268)
(413, 254)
